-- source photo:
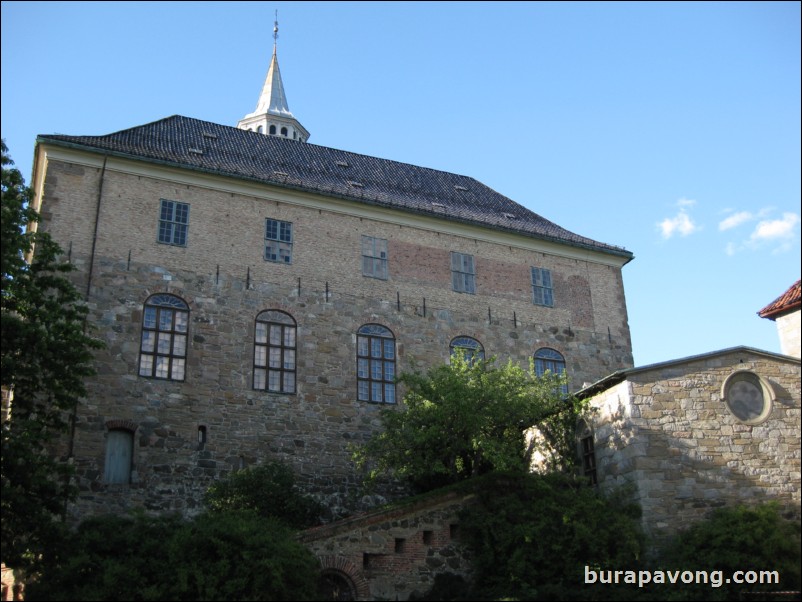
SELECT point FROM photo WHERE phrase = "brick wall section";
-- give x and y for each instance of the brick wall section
(396, 552)
(667, 433)
(225, 282)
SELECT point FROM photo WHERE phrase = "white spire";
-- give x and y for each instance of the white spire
(272, 115)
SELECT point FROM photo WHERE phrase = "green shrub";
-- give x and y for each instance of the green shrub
(241, 556)
(220, 556)
(734, 539)
(532, 536)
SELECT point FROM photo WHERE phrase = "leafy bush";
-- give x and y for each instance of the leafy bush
(268, 490)
(532, 536)
(464, 419)
(220, 556)
(734, 539)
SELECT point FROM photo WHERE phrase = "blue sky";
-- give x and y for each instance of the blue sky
(671, 129)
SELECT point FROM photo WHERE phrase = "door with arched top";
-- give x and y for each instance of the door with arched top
(335, 585)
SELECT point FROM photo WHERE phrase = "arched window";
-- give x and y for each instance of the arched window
(470, 348)
(274, 352)
(259, 130)
(375, 357)
(119, 455)
(284, 132)
(165, 326)
(272, 130)
(552, 361)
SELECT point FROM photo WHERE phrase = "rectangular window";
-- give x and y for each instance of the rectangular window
(278, 241)
(163, 347)
(589, 459)
(119, 451)
(463, 276)
(374, 257)
(542, 291)
(173, 223)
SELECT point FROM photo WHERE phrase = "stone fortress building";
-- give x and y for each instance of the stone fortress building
(258, 295)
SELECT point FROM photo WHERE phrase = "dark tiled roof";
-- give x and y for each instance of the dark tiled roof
(789, 300)
(224, 150)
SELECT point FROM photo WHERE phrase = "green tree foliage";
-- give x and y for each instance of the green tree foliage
(465, 419)
(217, 556)
(45, 357)
(734, 539)
(268, 490)
(532, 536)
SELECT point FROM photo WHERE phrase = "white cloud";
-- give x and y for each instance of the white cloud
(681, 223)
(734, 220)
(776, 232)
(768, 230)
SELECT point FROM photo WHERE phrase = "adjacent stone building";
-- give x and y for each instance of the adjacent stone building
(697, 433)
(258, 295)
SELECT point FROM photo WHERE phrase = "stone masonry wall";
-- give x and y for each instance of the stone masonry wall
(393, 554)
(223, 278)
(667, 434)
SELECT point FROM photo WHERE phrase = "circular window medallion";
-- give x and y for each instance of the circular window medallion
(748, 397)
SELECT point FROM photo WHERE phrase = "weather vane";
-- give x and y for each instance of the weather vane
(275, 28)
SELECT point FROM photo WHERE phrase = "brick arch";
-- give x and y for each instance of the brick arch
(127, 425)
(347, 568)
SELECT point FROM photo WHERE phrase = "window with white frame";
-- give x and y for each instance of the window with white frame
(163, 348)
(463, 275)
(374, 257)
(173, 223)
(542, 291)
(274, 350)
(278, 241)
(375, 357)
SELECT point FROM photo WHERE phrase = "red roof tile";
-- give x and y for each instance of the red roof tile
(789, 300)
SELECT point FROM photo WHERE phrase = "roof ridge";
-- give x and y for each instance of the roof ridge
(234, 152)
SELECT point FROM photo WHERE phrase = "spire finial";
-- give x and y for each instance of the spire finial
(275, 32)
